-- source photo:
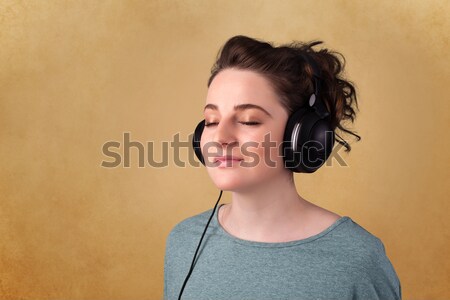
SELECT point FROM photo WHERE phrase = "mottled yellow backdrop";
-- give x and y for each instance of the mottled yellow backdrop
(75, 75)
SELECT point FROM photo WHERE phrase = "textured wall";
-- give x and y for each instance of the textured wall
(76, 74)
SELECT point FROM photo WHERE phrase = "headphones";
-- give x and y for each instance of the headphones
(308, 137)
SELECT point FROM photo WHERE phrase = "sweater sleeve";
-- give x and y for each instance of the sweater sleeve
(380, 280)
(166, 268)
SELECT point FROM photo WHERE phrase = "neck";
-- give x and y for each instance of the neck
(269, 212)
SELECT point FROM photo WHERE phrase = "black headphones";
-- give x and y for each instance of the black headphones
(308, 137)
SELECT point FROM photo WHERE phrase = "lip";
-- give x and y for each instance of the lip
(226, 158)
(226, 162)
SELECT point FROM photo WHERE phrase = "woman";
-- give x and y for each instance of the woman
(269, 113)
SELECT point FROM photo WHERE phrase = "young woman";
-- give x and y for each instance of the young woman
(269, 113)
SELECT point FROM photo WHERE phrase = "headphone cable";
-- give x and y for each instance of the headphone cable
(198, 247)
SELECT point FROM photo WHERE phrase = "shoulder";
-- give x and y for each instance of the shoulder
(189, 228)
(366, 255)
(360, 235)
(357, 248)
(359, 242)
(192, 222)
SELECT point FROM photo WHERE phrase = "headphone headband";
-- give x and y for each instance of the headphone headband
(319, 105)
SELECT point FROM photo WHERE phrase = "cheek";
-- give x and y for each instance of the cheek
(204, 138)
(273, 149)
(207, 144)
(264, 151)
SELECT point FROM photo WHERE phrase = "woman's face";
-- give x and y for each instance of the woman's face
(245, 120)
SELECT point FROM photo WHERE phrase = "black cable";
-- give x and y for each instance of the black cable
(198, 247)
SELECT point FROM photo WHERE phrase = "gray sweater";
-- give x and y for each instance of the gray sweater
(344, 261)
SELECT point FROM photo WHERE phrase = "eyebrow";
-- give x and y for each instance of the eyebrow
(240, 107)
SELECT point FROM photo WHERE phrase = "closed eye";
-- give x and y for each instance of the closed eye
(243, 123)
(250, 123)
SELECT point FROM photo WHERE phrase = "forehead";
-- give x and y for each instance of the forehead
(233, 87)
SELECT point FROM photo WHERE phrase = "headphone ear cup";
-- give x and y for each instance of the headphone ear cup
(318, 147)
(196, 141)
(291, 141)
(308, 142)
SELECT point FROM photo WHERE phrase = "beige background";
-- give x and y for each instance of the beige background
(76, 74)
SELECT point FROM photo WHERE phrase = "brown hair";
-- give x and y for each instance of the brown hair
(292, 77)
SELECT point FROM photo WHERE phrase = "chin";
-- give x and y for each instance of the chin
(240, 179)
(226, 181)
(227, 184)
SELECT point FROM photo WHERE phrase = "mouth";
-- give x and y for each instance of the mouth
(226, 158)
(227, 161)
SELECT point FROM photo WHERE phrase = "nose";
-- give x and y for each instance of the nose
(225, 133)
